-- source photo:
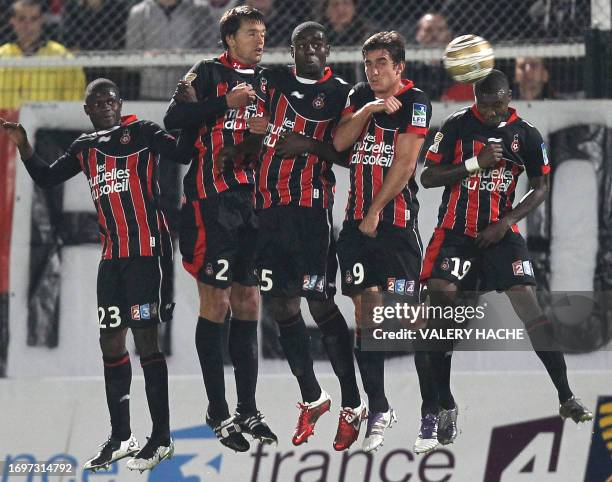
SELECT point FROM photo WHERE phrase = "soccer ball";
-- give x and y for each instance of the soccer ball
(468, 58)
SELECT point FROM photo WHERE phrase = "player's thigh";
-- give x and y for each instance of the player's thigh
(314, 253)
(244, 266)
(397, 255)
(209, 239)
(452, 257)
(112, 303)
(148, 290)
(507, 264)
(354, 260)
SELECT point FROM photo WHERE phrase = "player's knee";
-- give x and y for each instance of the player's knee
(280, 308)
(112, 344)
(146, 341)
(244, 301)
(214, 302)
(320, 308)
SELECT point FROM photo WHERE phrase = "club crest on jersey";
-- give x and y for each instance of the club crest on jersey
(125, 137)
(544, 154)
(445, 264)
(348, 278)
(515, 146)
(209, 270)
(263, 84)
(319, 101)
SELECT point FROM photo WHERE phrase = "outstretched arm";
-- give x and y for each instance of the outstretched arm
(44, 175)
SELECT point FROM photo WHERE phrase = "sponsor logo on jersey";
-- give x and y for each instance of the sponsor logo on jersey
(391, 285)
(106, 182)
(419, 115)
(499, 179)
(320, 284)
(528, 268)
(368, 151)
(145, 312)
(190, 76)
(410, 287)
(400, 286)
(236, 119)
(104, 139)
(135, 310)
(296, 94)
(313, 282)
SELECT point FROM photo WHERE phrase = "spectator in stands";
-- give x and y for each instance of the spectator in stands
(219, 7)
(531, 79)
(155, 26)
(35, 83)
(433, 31)
(344, 25)
(95, 24)
(281, 18)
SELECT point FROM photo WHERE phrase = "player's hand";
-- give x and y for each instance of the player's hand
(185, 92)
(240, 96)
(258, 125)
(291, 144)
(490, 155)
(389, 105)
(492, 234)
(226, 160)
(369, 224)
(15, 132)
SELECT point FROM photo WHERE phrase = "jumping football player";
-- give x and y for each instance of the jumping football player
(296, 256)
(379, 247)
(119, 160)
(478, 156)
(218, 223)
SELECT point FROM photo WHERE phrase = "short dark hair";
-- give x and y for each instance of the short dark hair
(98, 84)
(391, 41)
(232, 19)
(492, 83)
(303, 27)
(27, 3)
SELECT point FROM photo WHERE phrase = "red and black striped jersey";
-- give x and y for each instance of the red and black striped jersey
(308, 107)
(217, 125)
(120, 165)
(374, 151)
(473, 203)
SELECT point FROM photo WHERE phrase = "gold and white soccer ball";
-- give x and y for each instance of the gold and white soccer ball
(468, 58)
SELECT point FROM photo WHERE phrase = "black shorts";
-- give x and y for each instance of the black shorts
(134, 292)
(218, 236)
(455, 257)
(296, 252)
(391, 260)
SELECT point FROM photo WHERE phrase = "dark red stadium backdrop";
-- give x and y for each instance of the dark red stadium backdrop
(7, 192)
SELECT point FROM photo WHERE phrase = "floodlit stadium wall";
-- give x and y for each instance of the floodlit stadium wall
(503, 437)
(572, 256)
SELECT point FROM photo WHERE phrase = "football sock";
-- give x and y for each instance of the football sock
(117, 379)
(429, 394)
(372, 369)
(339, 347)
(295, 341)
(557, 371)
(156, 385)
(445, 397)
(209, 343)
(243, 352)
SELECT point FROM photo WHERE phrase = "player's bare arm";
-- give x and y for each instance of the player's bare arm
(447, 175)
(351, 125)
(404, 163)
(538, 191)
